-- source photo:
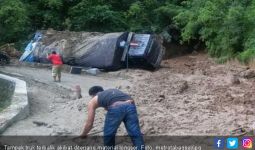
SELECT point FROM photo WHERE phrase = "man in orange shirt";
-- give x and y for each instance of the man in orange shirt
(56, 65)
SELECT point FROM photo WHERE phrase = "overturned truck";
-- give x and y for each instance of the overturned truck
(111, 51)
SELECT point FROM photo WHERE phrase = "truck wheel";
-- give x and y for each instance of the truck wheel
(160, 58)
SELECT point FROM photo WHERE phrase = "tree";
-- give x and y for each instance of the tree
(95, 16)
(219, 23)
(14, 21)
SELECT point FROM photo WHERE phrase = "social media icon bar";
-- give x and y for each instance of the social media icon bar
(232, 143)
(247, 143)
(219, 143)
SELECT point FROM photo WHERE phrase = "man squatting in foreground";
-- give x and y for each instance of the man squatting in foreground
(120, 107)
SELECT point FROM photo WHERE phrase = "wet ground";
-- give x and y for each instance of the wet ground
(189, 95)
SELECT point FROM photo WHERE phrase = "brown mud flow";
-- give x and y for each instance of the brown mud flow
(189, 95)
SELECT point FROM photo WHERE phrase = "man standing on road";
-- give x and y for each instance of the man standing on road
(120, 107)
(56, 65)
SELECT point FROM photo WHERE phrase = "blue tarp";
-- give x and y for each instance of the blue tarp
(28, 55)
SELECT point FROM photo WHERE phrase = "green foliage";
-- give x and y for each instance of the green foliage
(47, 14)
(86, 16)
(14, 21)
(225, 26)
(141, 16)
(120, 5)
(99, 15)
(248, 52)
(136, 16)
(246, 56)
(217, 22)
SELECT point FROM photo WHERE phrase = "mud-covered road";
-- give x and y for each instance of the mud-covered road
(189, 95)
(54, 110)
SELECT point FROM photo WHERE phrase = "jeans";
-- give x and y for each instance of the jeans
(128, 114)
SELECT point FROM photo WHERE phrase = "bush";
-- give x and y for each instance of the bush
(246, 56)
(219, 23)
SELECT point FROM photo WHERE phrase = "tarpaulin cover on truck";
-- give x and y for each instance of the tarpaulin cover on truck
(97, 50)
(103, 53)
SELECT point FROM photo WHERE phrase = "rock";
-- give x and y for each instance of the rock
(199, 72)
(80, 106)
(76, 93)
(64, 132)
(194, 52)
(239, 131)
(59, 100)
(162, 96)
(159, 100)
(39, 123)
(73, 96)
(234, 79)
(186, 102)
(141, 123)
(248, 74)
(184, 86)
(151, 130)
(119, 87)
(249, 112)
(60, 131)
